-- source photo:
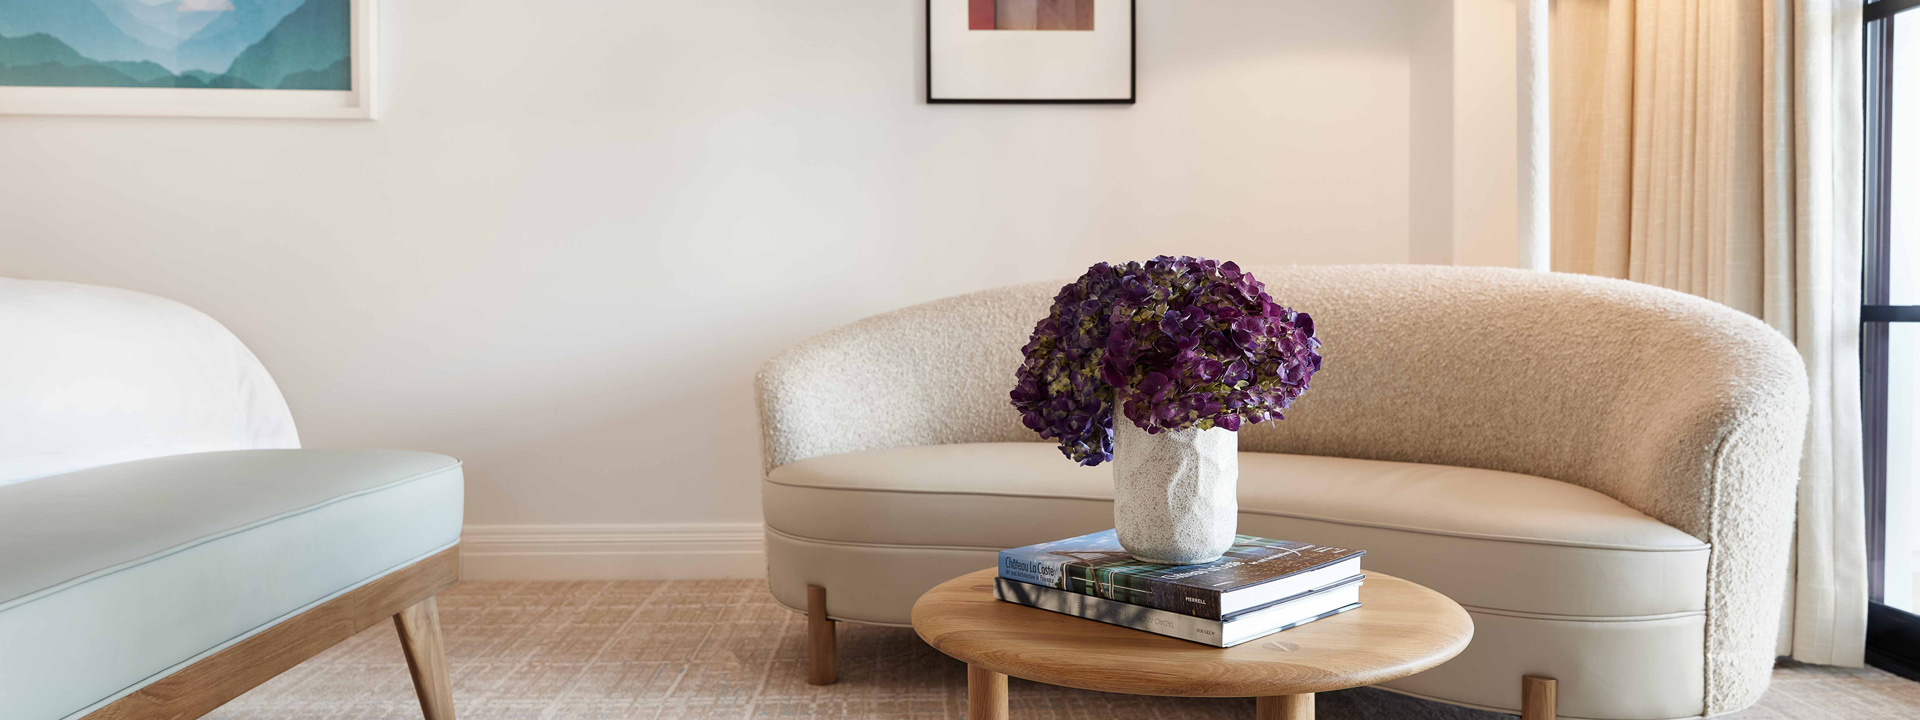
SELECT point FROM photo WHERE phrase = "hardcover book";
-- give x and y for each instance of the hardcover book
(1254, 572)
(1238, 628)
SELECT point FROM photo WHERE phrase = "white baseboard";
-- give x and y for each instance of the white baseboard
(613, 552)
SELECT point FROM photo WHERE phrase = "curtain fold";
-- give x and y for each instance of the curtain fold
(1715, 147)
(1831, 581)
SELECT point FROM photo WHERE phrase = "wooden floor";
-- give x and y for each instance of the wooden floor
(723, 649)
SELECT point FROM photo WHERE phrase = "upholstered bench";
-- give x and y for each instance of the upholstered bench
(113, 578)
(163, 545)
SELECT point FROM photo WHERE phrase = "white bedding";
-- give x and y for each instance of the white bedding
(93, 376)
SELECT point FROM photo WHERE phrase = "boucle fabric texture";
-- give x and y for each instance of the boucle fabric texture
(1678, 407)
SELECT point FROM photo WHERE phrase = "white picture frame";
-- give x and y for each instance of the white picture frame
(360, 103)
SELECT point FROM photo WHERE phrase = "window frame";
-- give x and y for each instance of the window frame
(1893, 635)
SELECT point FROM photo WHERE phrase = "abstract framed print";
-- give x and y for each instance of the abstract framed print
(1030, 51)
(198, 58)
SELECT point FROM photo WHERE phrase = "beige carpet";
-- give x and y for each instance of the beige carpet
(724, 649)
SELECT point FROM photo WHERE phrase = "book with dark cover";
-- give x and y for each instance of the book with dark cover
(1246, 625)
(1255, 571)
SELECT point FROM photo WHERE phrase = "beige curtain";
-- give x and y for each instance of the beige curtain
(1714, 147)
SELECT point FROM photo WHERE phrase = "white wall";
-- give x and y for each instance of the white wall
(583, 224)
(1486, 116)
(1430, 178)
(1465, 165)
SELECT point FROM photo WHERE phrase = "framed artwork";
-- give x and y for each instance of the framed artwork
(200, 58)
(1030, 51)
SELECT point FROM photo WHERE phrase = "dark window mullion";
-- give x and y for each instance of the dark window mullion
(1889, 8)
(1889, 313)
(1875, 278)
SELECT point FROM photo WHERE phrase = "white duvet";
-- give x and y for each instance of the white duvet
(93, 376)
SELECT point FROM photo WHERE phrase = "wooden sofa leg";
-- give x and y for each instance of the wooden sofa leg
(1537, 698)
(426, 653)
(823, 663)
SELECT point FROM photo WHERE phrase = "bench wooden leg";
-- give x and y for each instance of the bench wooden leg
(1284, 707)
(823, 662)
(426, 652)
(1537, 698)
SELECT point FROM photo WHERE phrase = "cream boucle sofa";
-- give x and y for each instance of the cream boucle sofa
(1601, 472)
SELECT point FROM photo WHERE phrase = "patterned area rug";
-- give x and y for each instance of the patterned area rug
(724, 649)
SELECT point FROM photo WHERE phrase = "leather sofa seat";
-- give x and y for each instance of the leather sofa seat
(1591, 555)
(1552, 573)
(119, 574)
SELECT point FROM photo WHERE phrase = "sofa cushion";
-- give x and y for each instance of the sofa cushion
(1506, 541)
(115, 576)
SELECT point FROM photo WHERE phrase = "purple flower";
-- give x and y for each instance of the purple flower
(1176, 342)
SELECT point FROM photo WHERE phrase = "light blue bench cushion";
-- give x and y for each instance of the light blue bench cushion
(116, 576)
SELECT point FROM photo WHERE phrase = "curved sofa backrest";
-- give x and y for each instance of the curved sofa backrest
(932, 374)
(1602, 383)
(92, 376)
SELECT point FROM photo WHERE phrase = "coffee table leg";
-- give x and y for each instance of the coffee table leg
(986, 694)
(1284, 707)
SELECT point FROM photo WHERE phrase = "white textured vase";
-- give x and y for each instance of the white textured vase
(1173, 493)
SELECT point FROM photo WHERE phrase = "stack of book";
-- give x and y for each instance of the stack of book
(1258, 588)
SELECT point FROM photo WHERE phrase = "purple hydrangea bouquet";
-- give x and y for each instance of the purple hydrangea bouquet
(1155, 366)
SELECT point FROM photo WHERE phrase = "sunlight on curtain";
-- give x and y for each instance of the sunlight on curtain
(1715, 147)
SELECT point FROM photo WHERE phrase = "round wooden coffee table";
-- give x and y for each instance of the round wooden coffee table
(1400, 629)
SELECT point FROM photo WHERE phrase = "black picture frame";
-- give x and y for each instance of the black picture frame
(1133, 70)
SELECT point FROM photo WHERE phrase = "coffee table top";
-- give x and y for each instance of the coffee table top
(1400, 629)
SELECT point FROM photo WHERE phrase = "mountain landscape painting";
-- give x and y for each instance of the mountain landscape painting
(187, 44)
